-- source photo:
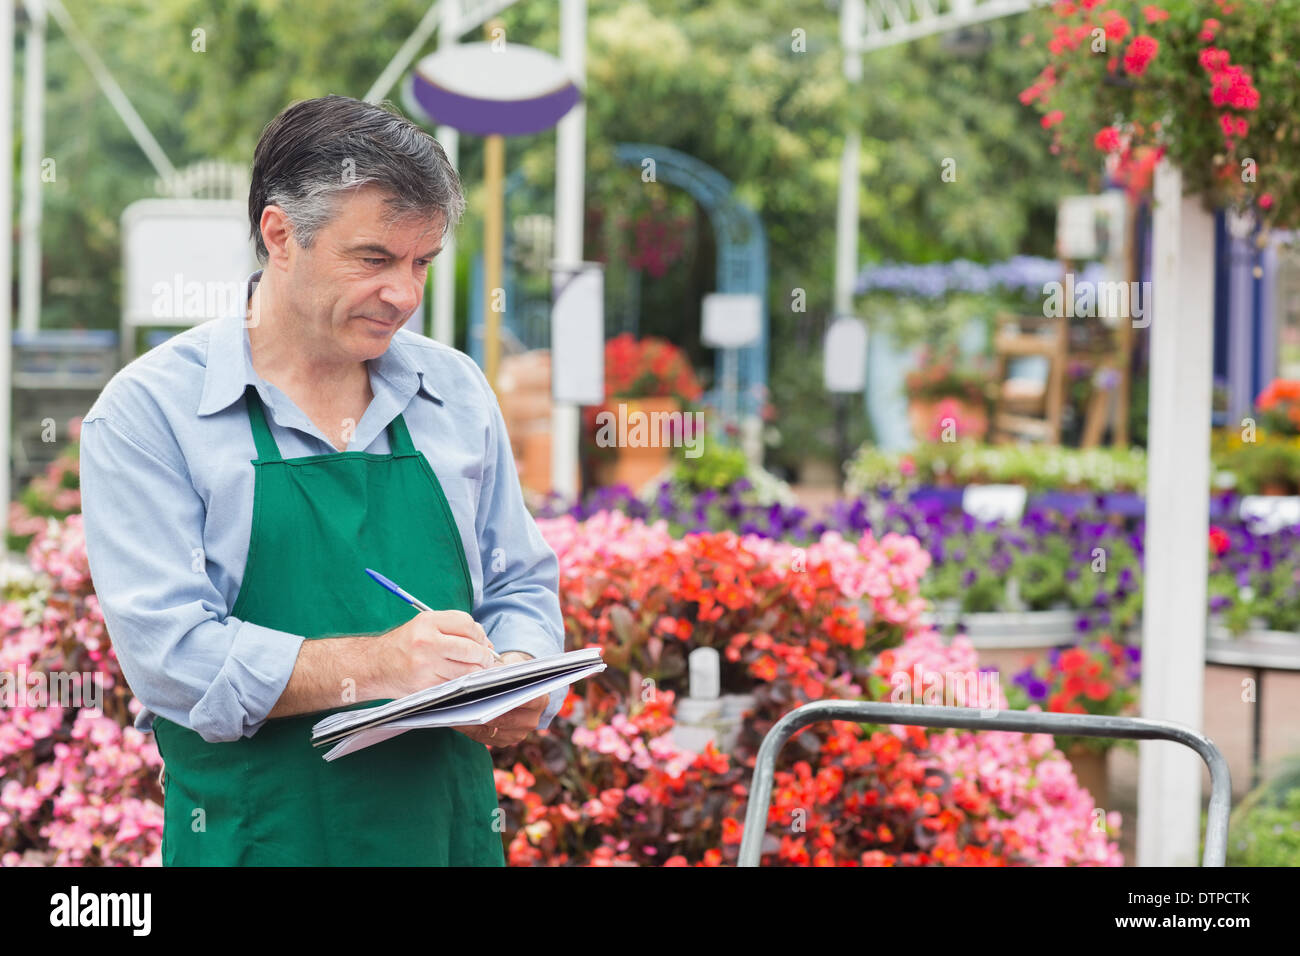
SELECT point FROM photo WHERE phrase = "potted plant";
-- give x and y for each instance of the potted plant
(946, 397)
(647, 382)
(1269, 465)
(1094, 677)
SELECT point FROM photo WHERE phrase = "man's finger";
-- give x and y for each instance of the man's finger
(466, 651)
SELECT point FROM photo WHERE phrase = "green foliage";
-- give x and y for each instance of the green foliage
(724, 82)
(1037, 467)
(805, 415)
(717, 467)
(1265, 827)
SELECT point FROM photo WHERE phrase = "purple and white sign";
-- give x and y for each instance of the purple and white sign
(486, 88)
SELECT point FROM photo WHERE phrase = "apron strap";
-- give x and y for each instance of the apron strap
(267, 449)
(399, 438)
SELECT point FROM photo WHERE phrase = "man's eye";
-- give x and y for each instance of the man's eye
(374, 262)
(422, 263)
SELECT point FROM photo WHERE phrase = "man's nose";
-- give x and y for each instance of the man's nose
(402, 294)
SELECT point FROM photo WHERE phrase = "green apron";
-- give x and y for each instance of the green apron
(424, 798)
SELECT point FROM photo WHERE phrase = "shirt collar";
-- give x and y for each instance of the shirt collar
(230, 370)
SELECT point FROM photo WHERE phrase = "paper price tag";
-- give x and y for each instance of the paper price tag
(994, 502)
(1270, 513)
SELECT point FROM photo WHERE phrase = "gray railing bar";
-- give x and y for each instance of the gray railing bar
(970, 718)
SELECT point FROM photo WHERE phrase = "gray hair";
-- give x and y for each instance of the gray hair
(317, 151)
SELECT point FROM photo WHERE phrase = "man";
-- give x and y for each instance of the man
(238, 480)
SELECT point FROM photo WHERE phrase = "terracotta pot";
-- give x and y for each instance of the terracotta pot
(922, 414)
(1091, 771)
(636, 464)
(1275, 488)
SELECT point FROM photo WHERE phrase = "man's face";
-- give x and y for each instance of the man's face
(363, 275)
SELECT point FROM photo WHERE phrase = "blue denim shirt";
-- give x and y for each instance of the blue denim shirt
(167, 502)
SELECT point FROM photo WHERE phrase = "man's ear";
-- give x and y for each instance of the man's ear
(277, 235)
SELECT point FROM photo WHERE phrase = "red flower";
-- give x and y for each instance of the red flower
(1117, 27)
(1097, 690)
(1107, 139)
(764, 668)
(1213, 60)
(1140, 53)
(1051, 119)
(1155, 14)
(1266, 201)
(1208, 29)
(1219, 540)
(1228, 123)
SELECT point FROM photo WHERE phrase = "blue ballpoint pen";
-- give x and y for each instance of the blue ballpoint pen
(412, 600)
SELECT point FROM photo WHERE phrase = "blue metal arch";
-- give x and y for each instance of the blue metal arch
(741, 245)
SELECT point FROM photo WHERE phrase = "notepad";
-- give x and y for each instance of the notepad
(476, 698)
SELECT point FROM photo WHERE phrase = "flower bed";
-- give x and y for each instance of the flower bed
(791, 626)
(605, 784)
(1253, 579)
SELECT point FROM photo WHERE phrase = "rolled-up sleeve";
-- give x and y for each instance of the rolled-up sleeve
(520, 609)
(185, 658)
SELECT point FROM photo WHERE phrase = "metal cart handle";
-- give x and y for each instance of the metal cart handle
(970, 718)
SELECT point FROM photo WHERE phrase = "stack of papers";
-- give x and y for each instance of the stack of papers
(476, 698)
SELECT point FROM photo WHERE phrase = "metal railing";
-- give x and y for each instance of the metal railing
(967, 718)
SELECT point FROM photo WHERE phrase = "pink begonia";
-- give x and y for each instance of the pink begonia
(1053, 815)
(91, 797)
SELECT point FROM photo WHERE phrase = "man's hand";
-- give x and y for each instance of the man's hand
(514, 725)
(433, 647)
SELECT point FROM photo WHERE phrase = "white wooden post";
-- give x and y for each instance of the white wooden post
(1177, 520)
(846, 206)
(29, 256)
(6, 249)
(444, 267)
(570, 172)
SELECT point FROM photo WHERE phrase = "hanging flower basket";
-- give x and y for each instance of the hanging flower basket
(1210, 84)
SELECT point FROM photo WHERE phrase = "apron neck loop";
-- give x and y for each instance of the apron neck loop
(267, 449)
(399, 436)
